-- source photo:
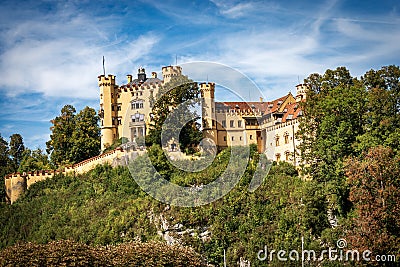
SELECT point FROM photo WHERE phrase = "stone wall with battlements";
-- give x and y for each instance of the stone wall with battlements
(17, 183)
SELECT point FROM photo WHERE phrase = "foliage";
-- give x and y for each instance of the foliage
(5, 166)
(382, 119)
(374, 183)
(105, 206)
(17, 149)
(177, 97)
(86, 135)
(70, 253)
(333, 119)
(34, 160)
(75, 137)
(116, 143)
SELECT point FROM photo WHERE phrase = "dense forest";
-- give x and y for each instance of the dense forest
(348, 189)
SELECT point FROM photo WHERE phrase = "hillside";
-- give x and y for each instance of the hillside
(106, 206)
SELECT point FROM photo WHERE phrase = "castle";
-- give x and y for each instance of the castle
(125, 111)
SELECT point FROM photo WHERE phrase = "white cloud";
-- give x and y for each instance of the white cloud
(63, 57)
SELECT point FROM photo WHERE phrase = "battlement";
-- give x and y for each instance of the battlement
(106, 80)
(207, 89)
(170, 71)
(17, 183)
(301, 92)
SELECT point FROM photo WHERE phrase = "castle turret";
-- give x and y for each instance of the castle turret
(108, 102)
(208, 111)
(301, 92)
(17, 186)
(170, 71)
(141, 74)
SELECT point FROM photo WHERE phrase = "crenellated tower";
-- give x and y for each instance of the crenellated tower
(208, 111)
(108, 111)
(301, 92)
(170, 71)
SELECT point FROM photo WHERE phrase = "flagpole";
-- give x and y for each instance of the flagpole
(104, 68)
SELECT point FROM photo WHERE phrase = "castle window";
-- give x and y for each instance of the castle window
(224, 123)
(119, 121)
(276, 140)
(231, 124)
(239, 124)
(240, 138)
(112, 108)
(287, 155)
(278, 157)
(251, 137)
(137, 117)
(224, 138)
(286, 136)
(137, 104)
(119, 107)
(233, 138)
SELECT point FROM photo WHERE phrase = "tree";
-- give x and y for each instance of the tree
(180, 96)
(34, 160)
(382, 119)
(86, 135)
(61, 142)
(17, 149)
(74, 137)
(333, 119)
(374, 181)
(5, 166)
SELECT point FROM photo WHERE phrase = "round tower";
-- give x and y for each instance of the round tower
(108, 102)
(208, 111)
(18, 186)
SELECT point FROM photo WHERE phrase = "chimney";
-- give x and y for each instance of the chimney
(129, 77)
(154, 74)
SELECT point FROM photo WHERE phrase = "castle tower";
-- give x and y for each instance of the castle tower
(18, 186)
(141, 74)
(108, 111)
(170, 71)
(208, 111)
(301, 92)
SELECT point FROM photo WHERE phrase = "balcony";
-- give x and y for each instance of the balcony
(136, 124)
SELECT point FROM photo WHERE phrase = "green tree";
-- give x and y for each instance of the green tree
(86, 135)
(34, 160)
(179, 95)
(333, 119)
(5, 166)
(60, 144)
(17, 149)
(382, 119)
(75, 137)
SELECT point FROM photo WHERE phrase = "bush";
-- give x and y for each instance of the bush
(70, 253)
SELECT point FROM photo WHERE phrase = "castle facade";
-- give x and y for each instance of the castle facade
(125, 111)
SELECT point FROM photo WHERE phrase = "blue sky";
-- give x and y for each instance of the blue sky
(51, 51)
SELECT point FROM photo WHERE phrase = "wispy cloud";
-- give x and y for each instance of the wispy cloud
(60, 55)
